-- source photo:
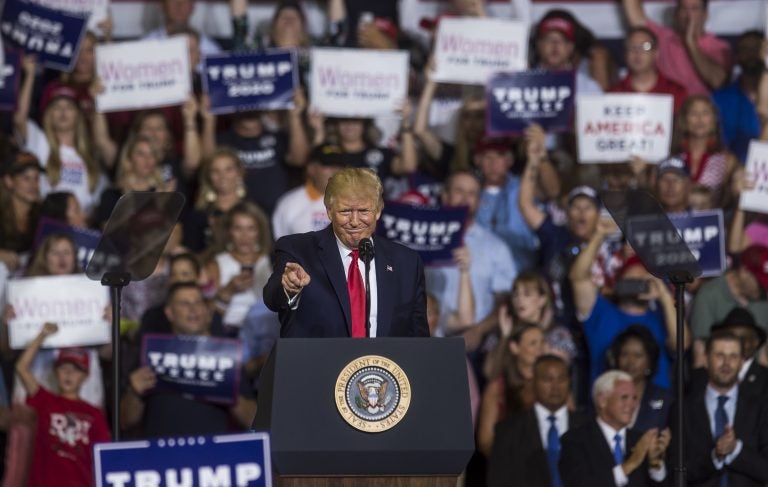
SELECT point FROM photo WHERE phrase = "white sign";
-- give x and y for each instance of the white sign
(757, 170)
(143, 74)
(97, 9)
(470, 50)
(75, 303)
(358, 82)
(615, 127)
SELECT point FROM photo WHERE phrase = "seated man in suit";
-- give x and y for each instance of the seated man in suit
(604, 452)
(316, 290)
(725, 431)
(527, 445)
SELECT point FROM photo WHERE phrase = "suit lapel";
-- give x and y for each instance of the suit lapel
(334, 268)
(385, 286)
(603, 449)
(700, 417)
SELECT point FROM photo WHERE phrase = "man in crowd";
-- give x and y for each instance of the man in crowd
(673, 185)
(604, 451)
(317, 285)
(689, 56)
(302, 209)
(176, 16)
(172, 414)
(725, 430)
(527, 446)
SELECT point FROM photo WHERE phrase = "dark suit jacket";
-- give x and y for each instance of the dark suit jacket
(755, 381)
(653, 408)
(324, 309)
(749, 468)
(587, 459)
(518, 457)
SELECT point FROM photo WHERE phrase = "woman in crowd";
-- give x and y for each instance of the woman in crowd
(57, 256)
(63, 144)
(241, 265)
(510, 389)
(698, 140)
(62, 206)
(221, 188)
(636, 352)
(19, 206)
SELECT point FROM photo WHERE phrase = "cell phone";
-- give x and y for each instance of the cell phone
(631, 287)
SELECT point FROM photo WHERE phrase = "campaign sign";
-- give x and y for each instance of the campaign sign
(203, 367)
(358, 82)
(85, 239)
(434, 232)
(96, 10)
(74, 302)
(756, 199)
(469, 50)
(10, 73)
(704, 234)
(240, 460)
(250, 80)
(516, 100)
(615, 127)
(51, 35)
(143, 74)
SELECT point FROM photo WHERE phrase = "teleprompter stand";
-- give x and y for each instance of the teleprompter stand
(129, 250)
(662, 250)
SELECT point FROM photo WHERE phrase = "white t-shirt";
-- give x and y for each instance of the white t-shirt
(74, 173)
(296, 212)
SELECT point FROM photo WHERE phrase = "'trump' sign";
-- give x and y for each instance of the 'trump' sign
(96, 10)
(469, 50)
(704, 235)
(10, 76)
(250, 81)
(516, 100)
(143, 74)
(51, 35)
(757, 169)
(358, 82)
(205, 367)
(197, 461)
(434, 232)
(75, 303)
(615, 127)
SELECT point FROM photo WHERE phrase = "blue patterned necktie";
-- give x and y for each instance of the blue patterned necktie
(721, 419)
(618, 454)
(553, 451)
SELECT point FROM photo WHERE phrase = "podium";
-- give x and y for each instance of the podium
(382, 411)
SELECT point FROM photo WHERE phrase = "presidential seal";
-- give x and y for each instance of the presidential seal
(372, 393)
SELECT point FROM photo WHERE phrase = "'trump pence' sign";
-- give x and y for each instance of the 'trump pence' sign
(358, 82)
(615, 127)
(470, 50)
(757, 169)
(198, 461)
(143, 74)
(75, 303)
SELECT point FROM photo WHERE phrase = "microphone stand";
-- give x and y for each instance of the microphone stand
(365, 249)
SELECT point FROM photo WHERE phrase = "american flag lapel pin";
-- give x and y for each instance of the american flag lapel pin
(389, 268)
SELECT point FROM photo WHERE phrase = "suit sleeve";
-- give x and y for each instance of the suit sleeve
(573, 464)
(500, 466)
(419, 325)
(274, 294)
(752, 461)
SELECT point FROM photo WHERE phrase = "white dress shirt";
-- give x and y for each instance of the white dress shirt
(621, 479)
(346, 260)
(542, 416)
(710, 400)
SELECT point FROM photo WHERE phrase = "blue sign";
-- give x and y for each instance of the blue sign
(516, 100)
(434, 232)
(51, 35)
(85, 239)
(10, 73)
(204, 367)
(201, 461)
(250, 81)
(704, 234)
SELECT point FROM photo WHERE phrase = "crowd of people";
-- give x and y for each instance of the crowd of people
(570, 340)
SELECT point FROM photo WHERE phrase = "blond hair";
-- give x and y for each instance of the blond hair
(206, 194)
(357, 181)
(83, 147)
(126, 169)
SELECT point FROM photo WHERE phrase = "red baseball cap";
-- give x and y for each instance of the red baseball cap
(559, 24)
(499, 145)
(76, 356)
(755, 259)
(57, 90)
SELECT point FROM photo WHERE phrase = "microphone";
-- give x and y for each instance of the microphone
(365, 251)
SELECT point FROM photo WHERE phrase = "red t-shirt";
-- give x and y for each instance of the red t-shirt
(66, 433)
(664, 86)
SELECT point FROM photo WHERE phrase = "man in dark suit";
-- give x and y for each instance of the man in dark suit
(526, 448)
(753, 377)
(316, 290)
(725, 431)
(604, 452)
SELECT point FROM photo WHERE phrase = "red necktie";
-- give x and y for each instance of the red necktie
(356, 297)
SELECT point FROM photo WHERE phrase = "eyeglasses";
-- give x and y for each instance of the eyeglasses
(644, 47)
